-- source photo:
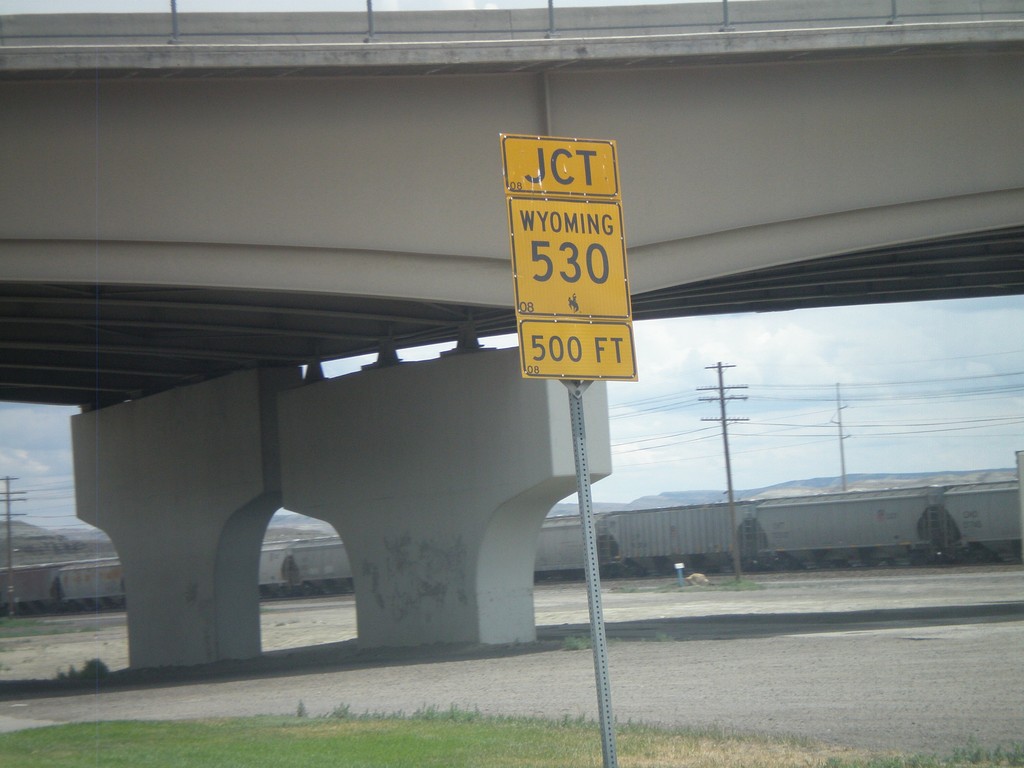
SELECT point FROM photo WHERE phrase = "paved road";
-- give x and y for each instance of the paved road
(915, 662)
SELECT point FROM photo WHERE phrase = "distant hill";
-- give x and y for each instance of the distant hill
(285, 526)
(38, 545)
(35, 545)
(864, 482)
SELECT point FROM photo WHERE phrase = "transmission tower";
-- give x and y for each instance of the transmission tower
(724, 420)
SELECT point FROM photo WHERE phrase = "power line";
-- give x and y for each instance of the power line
(897, 383)
(666, 436)
(673, 404)
(823, 393)
(636, 445)
(934, 360)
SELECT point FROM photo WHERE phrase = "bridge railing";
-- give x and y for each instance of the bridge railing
(543, 21)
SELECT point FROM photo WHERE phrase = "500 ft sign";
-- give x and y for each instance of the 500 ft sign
(569, 258)
(577, 350)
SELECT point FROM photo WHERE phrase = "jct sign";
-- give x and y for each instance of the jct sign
(568, 258)
(540, 165)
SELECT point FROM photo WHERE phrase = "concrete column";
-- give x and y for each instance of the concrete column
(438, 476)
(184, 483)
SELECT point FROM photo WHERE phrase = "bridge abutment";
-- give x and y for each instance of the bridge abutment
(438, 476)
(184, 483)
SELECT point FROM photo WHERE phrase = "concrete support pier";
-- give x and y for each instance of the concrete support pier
(438, 476)
(184, 483)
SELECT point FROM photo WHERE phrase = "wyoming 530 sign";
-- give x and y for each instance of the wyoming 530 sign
(568, 258)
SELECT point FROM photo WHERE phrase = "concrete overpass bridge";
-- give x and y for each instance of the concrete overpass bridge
(189, 211)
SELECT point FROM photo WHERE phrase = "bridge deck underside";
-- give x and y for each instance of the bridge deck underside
(95, 345)
(982, 264)
(262, 201)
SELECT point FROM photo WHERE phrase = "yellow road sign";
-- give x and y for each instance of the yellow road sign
(569, 349)
(568, 258)
(544, 165)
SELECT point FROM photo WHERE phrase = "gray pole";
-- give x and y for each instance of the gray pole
(591, 567)
(728, 462)
(174, 21)
(728, 475)
(842, 451)
(10, 549)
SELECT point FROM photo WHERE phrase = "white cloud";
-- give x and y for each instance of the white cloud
(925, 387)
(35, 450)
(943, 415)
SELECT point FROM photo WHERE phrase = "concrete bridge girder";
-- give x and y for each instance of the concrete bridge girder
(852, 152)
(184, 483)
(438, 476)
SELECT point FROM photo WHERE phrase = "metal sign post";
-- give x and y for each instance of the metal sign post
(590, 562)
(573, 309)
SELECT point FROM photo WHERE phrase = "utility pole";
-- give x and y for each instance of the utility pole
(722, 397)
(839, 421)
(8, 493)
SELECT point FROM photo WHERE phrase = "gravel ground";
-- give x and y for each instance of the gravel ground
(915, 661)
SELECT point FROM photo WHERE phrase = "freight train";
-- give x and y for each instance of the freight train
(76, 586)
(914, 526)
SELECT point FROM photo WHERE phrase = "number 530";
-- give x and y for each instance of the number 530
(595, 259)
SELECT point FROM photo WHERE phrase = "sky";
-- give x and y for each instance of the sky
(924, 387)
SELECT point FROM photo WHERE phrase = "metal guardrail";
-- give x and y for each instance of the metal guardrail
(691, 17)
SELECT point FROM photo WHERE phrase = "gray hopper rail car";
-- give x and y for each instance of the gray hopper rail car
(913, 526)
(955, 524)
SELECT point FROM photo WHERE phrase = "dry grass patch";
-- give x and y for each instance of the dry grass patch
(645, 747)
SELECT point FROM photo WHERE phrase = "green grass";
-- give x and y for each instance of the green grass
(718, 583)
(26, 627)
(21, 627)
(444, 738)
(93, 669)
(576, 643)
